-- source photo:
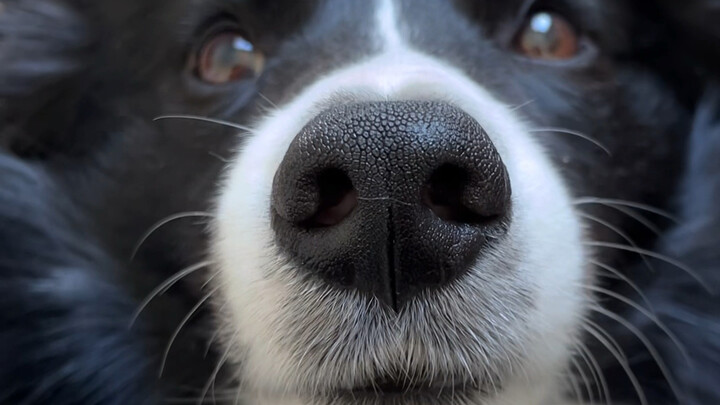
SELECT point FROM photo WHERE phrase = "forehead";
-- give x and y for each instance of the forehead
(435, 25)
(286, 16)
(343, 27)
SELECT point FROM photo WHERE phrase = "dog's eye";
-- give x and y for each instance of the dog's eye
(549, 36)
(228, 57)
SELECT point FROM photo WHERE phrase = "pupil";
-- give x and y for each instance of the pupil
(224, 56)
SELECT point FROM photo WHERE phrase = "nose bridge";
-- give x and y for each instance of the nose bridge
(390, 198)
(404, 75)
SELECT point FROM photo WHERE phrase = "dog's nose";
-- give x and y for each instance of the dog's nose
(392, 199)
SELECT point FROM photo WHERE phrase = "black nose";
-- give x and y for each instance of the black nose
(390, 198)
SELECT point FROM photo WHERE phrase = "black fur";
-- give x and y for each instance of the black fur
(84, 171)
(687, 304)
(64, 336)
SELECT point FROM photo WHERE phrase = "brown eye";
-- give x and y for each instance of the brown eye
(228, 57)
(549, 36)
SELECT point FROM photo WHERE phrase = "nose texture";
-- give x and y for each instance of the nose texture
(390, 198)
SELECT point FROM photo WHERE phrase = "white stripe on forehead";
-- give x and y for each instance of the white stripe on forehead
(387, 25)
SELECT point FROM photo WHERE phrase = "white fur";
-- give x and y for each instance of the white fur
(544, 224)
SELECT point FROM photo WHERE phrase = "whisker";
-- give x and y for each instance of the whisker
(163, 222)
(634, 215)
(648, 345)
(224, 397)
(681, 348)
(625, 279)
(598, 375)
(203, 119)
(181, 325)
(227, 393)
(641, 219)
(607, 336)
(522, 105)
(618, 232)
(209, 280)
(625, 203)
(166, 285)
(574, 385)
(220, 158)
(193, 400)
(268, 101)
(577, 134)
(237, 397)
(215, 334)
(221, 362)
(584, 379)
(657, 256)
(622, 360)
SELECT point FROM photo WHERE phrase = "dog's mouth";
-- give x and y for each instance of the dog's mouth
(437, 388)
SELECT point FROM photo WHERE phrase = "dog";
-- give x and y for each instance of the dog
(359, 202)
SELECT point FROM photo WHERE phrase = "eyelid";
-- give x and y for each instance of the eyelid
(210, 29)
(223, 24)
(506, 36)
(571, 13)
(524, 11)
(561, 7)
(216, 24)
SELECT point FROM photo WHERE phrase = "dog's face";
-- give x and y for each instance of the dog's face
(341, 279)
(396, 218)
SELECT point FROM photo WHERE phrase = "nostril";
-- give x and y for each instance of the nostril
(441, 195)
(445, 194)
(337, 199)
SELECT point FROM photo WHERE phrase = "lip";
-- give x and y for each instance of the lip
(392, 388)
